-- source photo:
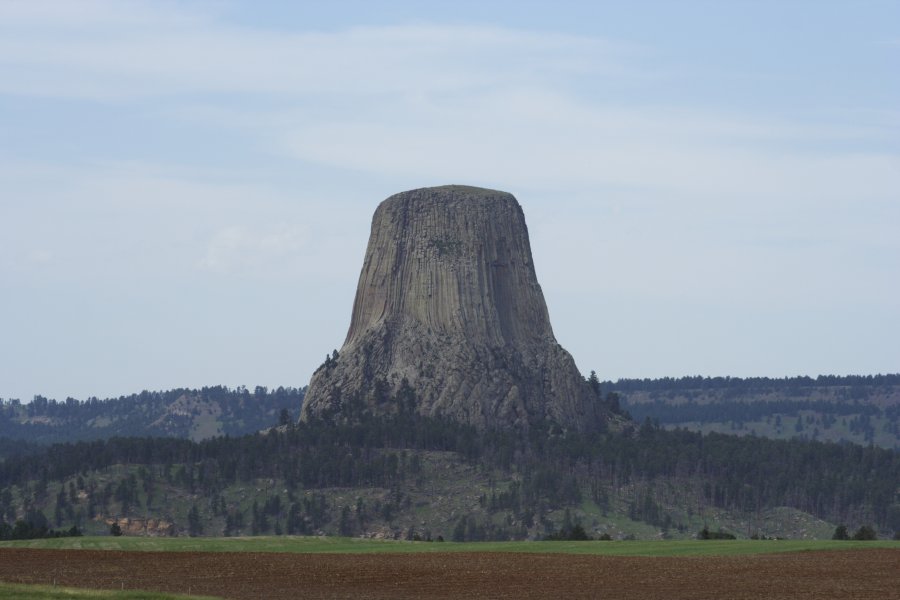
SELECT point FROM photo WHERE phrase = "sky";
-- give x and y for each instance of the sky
(186, 188)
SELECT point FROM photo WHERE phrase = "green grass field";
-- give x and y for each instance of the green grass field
(43, 592)
(355, 545)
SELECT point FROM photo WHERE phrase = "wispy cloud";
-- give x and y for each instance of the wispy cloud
(540, 140)
(114, 221)
(238, 248)
(433, 101)
(150, 55)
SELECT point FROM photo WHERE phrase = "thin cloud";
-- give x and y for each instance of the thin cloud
(434, 101)
(546, 140)
(239, 248)
(79, 15)
(157, 59)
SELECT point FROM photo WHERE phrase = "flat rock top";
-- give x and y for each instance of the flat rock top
(445, 193)
(469, 190)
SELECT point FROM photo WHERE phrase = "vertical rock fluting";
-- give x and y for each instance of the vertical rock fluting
(448, 301)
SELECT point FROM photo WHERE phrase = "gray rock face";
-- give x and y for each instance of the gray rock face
(448, 300)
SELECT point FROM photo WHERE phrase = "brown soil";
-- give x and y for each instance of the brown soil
(859, 574)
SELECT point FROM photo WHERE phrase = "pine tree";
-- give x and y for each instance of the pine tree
(195, 526)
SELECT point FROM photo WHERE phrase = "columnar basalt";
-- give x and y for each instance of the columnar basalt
(449, 312)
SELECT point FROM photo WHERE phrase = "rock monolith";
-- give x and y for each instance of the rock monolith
(449, 320)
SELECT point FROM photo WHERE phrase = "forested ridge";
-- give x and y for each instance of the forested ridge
(855, 408)
(352, 473)
(553, 469)
(698, 382)
(181, 412)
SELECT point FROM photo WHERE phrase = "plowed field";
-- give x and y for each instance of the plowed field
(870, 574)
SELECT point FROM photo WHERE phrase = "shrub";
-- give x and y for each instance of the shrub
(576, 533)
(706, 534)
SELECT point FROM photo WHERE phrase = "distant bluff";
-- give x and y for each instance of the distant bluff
(449, 320)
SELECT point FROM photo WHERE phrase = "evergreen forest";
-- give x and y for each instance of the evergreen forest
(407, 475)
(859, 409)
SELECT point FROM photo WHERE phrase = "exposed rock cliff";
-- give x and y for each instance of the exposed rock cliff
(146, 527)
(448, 301)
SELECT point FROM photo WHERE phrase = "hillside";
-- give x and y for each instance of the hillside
(183, 413)
(409, 477)
(405, 475)
(858, 409)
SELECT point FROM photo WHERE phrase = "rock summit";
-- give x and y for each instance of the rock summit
(449, 320)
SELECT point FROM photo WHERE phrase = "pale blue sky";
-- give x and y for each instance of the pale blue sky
(711, 188)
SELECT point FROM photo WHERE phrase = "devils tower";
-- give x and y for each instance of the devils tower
(450, 319)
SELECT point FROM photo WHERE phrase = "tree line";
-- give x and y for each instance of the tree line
(46, 420)
(698, 382)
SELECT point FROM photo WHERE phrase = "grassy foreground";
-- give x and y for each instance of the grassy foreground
(45, 592)
(337, 545)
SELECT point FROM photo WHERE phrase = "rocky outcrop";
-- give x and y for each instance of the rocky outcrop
(449, 317)
(145, 527)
